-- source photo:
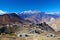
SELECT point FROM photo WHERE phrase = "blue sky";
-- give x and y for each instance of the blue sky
(22, 5)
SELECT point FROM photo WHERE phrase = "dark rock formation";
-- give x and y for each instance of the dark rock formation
(46, 27)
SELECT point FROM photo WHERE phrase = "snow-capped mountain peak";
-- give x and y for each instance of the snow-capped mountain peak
(2, 12)
(30, 12)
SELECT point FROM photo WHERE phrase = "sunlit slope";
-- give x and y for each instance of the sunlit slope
(55, 24)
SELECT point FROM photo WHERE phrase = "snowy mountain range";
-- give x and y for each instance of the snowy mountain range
(36, 16)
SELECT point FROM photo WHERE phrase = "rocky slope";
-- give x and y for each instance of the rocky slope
(46, 27)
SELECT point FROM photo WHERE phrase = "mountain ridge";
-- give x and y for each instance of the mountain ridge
(42, 16)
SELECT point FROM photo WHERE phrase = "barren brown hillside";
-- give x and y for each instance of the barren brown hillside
(55, 24)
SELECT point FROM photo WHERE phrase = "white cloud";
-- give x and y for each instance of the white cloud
(2, 12)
